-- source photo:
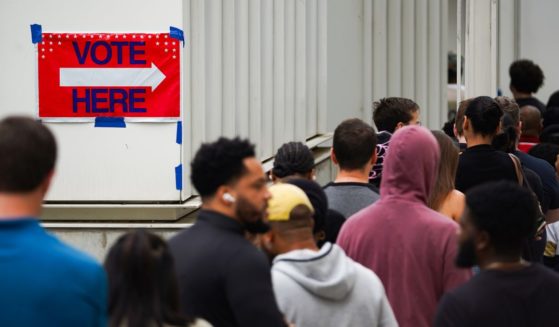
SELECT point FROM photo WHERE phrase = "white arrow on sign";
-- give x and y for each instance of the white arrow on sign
(130, 77)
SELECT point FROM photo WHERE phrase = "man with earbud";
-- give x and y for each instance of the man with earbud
(223, 278)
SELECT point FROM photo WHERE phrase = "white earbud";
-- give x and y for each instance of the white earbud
(228, 198)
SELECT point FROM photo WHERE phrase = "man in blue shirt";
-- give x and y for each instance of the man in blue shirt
(43, 282)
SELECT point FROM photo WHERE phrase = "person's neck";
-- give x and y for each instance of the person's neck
(219, 209)
(502, 263)
(531, 134)
(461, 139)
(353, 176)
(307, 244)
(20, 205)
(521, 95)
(474, 140)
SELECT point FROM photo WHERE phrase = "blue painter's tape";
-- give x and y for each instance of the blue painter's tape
(176, 33)
(36, 33)
(116, 122)
(179, 132)
(178, 177)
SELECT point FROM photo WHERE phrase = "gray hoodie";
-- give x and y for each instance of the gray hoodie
(327, 288)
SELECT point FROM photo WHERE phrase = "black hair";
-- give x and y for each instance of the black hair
(143, 287)
(27, 154)
(484, 115)
(553, 100)
(219, 163)
(506, 211)
(293, 158)
(388, 112)
(354, 143)
(526, 76)
(545, 151)
(506, 139)
(551, 116)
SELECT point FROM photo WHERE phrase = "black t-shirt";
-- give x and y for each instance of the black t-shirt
(481, 164)
(223, 278)
(333, 224)
(493, 298)
(531, 102)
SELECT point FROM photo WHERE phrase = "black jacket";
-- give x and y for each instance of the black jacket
(223, 278)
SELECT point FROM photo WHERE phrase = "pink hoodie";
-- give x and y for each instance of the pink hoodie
(409, 246)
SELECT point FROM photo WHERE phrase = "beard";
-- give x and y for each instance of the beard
(251, 217)
(466, 257)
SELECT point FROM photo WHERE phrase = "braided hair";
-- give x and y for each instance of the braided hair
(293, 158)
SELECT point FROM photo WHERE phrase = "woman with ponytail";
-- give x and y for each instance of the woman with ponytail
(481, 162)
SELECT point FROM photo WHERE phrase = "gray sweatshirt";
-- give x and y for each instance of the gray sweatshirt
(327, 288)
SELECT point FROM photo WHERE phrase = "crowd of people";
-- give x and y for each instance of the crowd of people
(418, 228)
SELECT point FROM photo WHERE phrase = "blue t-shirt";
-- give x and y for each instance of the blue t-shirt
(44, 282)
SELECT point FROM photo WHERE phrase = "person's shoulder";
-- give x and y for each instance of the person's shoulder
(549, 275)
(366, 274)
(456, 196)
(64, 254)
(241, 252)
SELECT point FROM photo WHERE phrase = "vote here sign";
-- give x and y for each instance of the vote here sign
(109, 75)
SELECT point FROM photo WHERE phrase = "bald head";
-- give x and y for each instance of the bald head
(531, 121)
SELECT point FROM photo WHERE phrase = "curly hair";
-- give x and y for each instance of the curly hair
(219, 163)
(293, 158)
(526, 76)
(506, 211)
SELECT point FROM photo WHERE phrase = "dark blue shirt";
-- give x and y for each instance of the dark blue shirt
(548, 177)
(44, 282)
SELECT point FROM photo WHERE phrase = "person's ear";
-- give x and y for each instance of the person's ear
(455, 131)
(482, 241)
(225, 196)
(333, 156)
(466, 124)
(273, 177)
(399, 125)
(311, 175)
(320, 236)
(267, 241)
(374, 157)
(45, 185)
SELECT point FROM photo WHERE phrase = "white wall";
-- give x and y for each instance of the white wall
(539, 32)
(345, 62)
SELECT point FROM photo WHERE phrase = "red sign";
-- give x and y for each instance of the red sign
(109, 75)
